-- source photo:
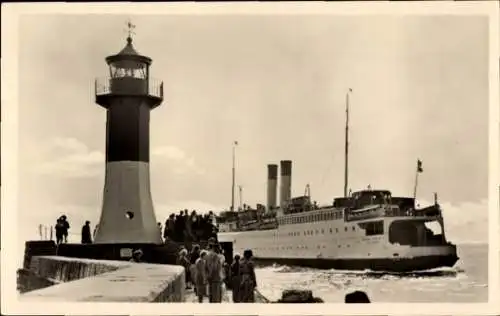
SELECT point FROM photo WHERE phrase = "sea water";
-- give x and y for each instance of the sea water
(467, 281)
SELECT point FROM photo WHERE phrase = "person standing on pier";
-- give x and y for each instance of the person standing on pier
(169, 228)
(214, 273)
(59, 231)
(248, 279)
(183, 260)
(200, 276)
(235, 278)
(86, 236)
(65, 228)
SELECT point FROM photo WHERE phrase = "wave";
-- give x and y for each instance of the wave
(431, 273)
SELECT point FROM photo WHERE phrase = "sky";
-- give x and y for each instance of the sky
(277, 85)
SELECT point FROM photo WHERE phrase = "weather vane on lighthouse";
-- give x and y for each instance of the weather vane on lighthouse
(130, 28)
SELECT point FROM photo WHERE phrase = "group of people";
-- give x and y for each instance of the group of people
(62, 229)
(189, 227)
(182, 227)
(208, 272)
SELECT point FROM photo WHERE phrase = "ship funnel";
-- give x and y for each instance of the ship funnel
(272, 186)
(286, 182)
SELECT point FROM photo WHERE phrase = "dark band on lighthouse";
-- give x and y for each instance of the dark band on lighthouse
(127, 131)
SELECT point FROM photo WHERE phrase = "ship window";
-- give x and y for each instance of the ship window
(373, 228)
(336, 230)
(331, 230)
(345, 228)
(353, 228)
(322, 231)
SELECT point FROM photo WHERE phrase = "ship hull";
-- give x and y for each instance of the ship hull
(380, 264)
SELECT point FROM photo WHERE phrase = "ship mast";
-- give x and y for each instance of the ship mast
(346, 167)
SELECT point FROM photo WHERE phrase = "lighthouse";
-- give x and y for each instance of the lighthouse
(128, 95)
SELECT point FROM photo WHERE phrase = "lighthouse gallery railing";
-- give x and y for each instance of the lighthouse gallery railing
(152, 87)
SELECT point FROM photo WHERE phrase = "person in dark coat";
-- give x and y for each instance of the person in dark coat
(59, 230)
(169, 232)
(193, 256)
(248, 281)
(65, 229)
(235, 279)
(86, 236)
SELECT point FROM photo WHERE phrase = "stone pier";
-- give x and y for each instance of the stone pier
(55, 278)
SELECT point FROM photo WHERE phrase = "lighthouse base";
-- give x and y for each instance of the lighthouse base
(127, 214)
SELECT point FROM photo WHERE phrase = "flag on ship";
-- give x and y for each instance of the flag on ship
(419, 166)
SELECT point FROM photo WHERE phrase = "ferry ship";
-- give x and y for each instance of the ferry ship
(370, 229)
(364, 230)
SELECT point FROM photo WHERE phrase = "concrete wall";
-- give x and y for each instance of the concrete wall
(87, 280)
